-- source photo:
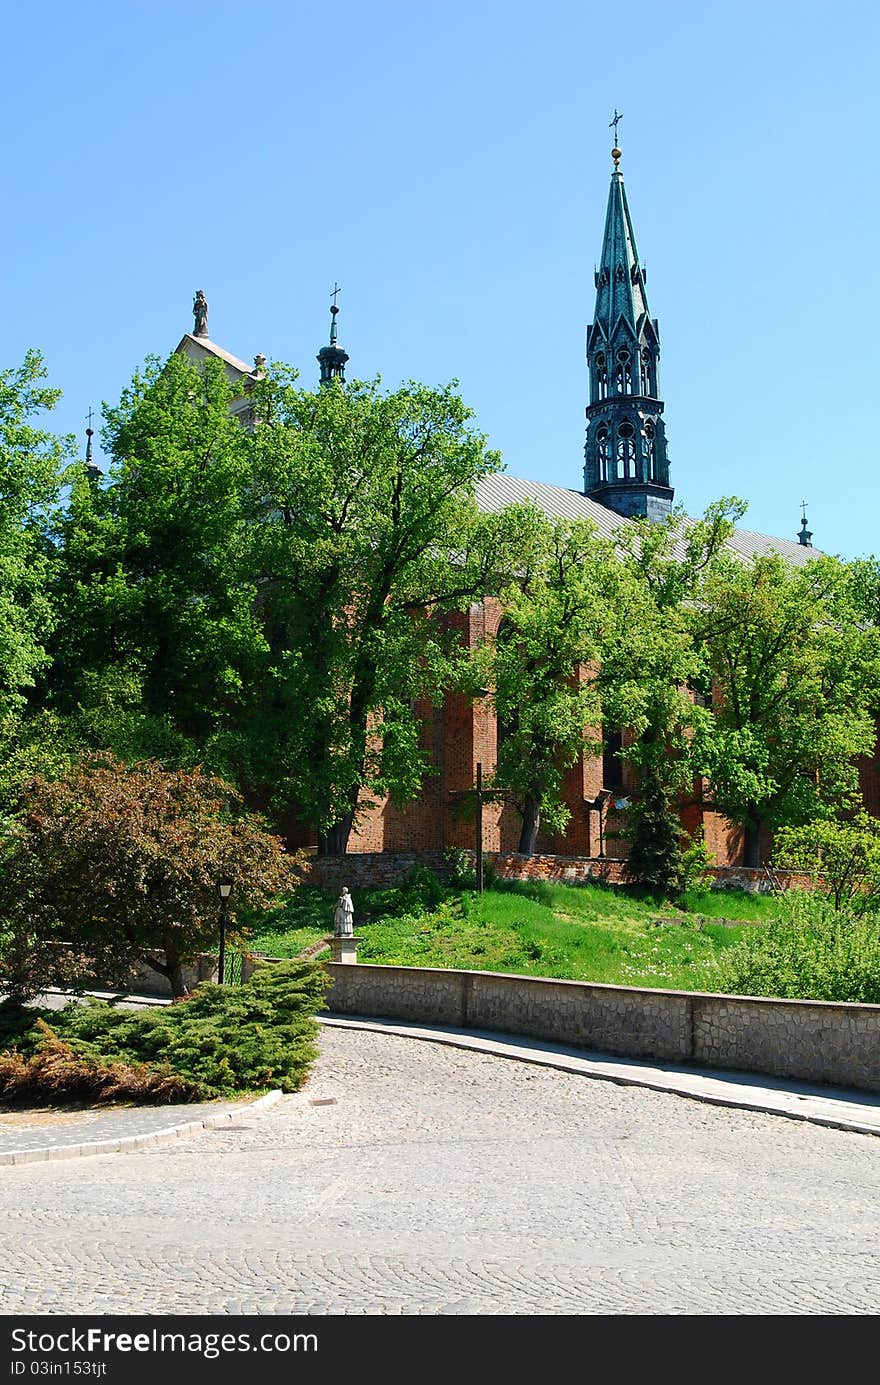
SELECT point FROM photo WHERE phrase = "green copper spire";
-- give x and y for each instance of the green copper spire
(626, 466)
(620, 279)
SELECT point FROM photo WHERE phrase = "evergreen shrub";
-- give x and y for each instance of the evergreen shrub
(222, 1041)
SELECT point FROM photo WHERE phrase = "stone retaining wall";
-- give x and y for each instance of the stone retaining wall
(382, 869)
(813, 1041)
(367, 870)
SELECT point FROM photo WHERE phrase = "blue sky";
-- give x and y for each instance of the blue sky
(448, 164)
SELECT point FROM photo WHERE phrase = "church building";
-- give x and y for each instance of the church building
(626, 474)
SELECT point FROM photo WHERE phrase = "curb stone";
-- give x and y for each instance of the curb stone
(133, 1142)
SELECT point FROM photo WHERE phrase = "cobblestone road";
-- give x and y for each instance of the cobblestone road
(431, 1180)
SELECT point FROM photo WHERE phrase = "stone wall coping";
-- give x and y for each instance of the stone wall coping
(518, 978)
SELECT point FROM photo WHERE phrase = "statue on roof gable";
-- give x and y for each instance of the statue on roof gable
(200, 313)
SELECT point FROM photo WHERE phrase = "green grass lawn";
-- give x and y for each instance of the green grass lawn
(582, 932)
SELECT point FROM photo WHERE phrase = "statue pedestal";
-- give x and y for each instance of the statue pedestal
(344, 949)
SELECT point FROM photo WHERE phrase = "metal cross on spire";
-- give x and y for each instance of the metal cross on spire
(804, 511)
(333, 312)
(615, 153)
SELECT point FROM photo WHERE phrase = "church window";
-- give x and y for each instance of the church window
(623, 374)
(601, 377)
(648, 386)
(602, 452)
(648, 451)
(612, 765)
(626, 452)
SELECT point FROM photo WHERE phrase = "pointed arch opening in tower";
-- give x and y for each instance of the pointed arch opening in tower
(626, 451)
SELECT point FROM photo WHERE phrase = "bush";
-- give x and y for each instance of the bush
(696, 860)
(813, 952)
(419, 891)
(842, 857)
(461, 872)
(221, 1041)
(57, 1073)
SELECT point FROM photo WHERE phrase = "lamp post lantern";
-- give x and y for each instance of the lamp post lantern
(224, 889)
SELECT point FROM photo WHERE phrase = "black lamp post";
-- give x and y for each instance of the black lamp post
(479, 828)
(224, 890)
(480, 692)
(599, 803)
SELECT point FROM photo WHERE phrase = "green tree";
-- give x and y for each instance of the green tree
(367, 542)
(542, 667)
(650, 667)
(161, 631)
(794, 672)
(113, 863)
(656, 859)
(32, 463)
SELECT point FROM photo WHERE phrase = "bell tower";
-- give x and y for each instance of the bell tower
(625, 463)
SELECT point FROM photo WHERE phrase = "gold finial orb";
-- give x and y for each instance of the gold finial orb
(615, 154)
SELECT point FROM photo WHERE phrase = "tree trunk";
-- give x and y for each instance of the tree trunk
(179, 989)
(171, 969)
(752, 844)
(334, 842)
(531, 825)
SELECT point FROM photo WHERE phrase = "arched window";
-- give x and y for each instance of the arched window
(626, 452)
(602, 451)
(648, 451)
(623, 373)
(648, 382)
(601, 377)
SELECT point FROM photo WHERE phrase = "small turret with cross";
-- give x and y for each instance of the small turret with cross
(93, 471)
(332, 359)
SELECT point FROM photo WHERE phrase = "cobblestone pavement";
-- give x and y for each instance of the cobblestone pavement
(413, 1178)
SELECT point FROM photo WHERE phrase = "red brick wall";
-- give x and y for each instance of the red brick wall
(460, 734)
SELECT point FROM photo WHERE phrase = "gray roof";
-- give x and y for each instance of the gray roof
(212, 349)
(498, 490)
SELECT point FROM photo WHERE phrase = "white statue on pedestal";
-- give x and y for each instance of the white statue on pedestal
(343, 915)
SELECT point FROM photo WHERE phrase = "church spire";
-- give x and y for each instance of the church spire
(332, 359)
(93, 471)
(626, 467)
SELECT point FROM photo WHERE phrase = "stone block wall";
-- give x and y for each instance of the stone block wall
(146, 980)
(812, 1041)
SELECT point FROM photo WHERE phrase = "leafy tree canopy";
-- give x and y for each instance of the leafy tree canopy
(114, 863)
